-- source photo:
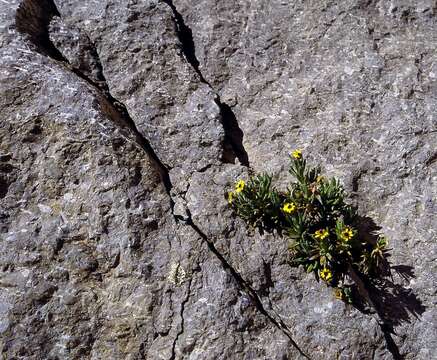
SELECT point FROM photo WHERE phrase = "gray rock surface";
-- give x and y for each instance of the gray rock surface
(123, 124)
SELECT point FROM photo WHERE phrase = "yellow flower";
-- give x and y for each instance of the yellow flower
(321, 234)
(326, 275)
(297, 154)
(338, 293)
(239, 186)
(347, 234)
(320, 179)
(288, 208)
(230, 197)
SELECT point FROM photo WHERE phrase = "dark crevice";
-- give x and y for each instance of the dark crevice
(233, 135)
(233, 141)
(243, 284)
(185, 36)
(33, 18)
(181, 314)
(268, 284)
(202, 170)
(3, 187)
(69, 40)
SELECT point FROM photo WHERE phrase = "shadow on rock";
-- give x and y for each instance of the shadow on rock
(233, 147)
(393, 303)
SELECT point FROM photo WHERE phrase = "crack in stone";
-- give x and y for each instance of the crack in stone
(33, 18)
(39, 15)
(233, 136)
(181, 313)
(233, 141)
(244, 285)
(185, 36)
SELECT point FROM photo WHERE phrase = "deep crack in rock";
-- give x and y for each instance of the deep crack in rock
(403, 145)
(33, 18)
(233, 135)
(32, 12)
(233, 142)
(185, 36)
(244, 285)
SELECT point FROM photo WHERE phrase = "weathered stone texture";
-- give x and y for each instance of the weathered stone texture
(123, 124)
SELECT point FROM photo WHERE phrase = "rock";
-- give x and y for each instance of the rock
(123, 126)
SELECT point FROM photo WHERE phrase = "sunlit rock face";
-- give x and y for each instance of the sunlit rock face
(124, 123)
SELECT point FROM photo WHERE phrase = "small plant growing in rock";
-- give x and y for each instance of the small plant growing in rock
(321, 226)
